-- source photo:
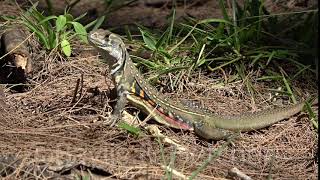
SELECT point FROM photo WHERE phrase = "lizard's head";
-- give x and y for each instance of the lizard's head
(110, 46)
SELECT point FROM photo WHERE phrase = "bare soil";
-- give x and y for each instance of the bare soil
(51, 131)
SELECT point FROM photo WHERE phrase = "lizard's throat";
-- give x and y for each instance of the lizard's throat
(120, 57)
(116, 67)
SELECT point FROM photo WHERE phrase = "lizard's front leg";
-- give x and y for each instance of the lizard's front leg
(120, 105)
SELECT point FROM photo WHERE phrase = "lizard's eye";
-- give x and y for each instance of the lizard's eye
(95, 35)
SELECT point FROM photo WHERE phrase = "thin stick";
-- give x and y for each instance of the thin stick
(75, 91)
(235, 172)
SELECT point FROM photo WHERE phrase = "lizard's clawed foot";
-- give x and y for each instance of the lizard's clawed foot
(111, 120)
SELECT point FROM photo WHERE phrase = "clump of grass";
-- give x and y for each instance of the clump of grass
(54, 32)
(248, 38)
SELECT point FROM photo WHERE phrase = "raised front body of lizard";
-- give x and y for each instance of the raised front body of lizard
(132, 88)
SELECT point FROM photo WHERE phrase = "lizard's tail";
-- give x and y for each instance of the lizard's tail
(258, 120)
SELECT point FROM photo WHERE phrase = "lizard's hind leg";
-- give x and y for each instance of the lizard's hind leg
(209, 132)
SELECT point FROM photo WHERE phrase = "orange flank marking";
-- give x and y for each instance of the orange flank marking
(168, 117)
(142, 94)
(151, 102)
(133, 89)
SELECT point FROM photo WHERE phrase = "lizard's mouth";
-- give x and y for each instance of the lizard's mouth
(99, 38)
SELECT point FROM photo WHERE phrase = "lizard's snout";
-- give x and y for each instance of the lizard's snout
(99, 35)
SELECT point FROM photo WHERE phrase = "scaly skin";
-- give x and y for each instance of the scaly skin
(132, 88)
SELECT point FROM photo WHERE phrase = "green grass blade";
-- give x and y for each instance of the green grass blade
(269, 78)
(222, 65)
(50, 7)
(312, 115)
(214, 155)
(161, 40)
(145, 62)
(214, 20)
(173, 17)
(235, 26)
(270, 57)
(224, 10)
(199, 62)
(254, 61)
(182, 40)
(300, 71)
(161, 150)
(45, 20)
(98, 23)
(172, 69)
(39, 34)
(80, 17)
(289, 89)
(128, 33)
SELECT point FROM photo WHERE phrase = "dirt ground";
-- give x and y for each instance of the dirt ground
(51, 131)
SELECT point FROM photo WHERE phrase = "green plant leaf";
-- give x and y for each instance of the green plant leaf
(148, 40)
(66, 48)
(61, 22)
(69, 17)
(81, 31)
(131, 129)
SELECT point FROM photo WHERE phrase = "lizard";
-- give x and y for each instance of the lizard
(133, 89)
